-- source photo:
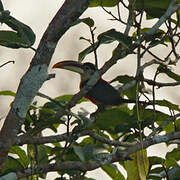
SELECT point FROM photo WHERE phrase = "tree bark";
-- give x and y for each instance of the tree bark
(37, 73)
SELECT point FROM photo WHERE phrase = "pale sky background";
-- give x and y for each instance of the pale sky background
(38, 14)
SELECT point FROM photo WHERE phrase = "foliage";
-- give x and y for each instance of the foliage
(118, 123)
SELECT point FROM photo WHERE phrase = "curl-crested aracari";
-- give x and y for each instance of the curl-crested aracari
(102, 93)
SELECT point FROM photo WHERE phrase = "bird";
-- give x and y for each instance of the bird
(102, 94)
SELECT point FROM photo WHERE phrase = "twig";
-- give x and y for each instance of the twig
(163, 124)
(154, 105)
(154, 61)
(130, 18)
(172, 40)
(7, 63)
(93, 45)
(158, 84)
(147, 50)
(91, 165)
(115, 18)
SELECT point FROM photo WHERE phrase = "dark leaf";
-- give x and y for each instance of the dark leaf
(85, 153)
(154, 160)
(114, 120)
(88, 21)
(23, 159)
(113, 172)
(106, 38)
(11, 165)
(152, 8)
(168, 104)
(172, 158)
(137, 168)
(168, 72)
(104, 3)
(130, 92)
(39, 155)
(87, 51)
(1, 6)
(24, 37)
(113, 35)
(68, 97)
(7, 93)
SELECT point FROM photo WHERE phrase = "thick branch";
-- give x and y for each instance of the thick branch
(91, 165)
(37, 72)
(21, 140)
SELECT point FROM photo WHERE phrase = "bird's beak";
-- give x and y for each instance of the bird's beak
(70, 65)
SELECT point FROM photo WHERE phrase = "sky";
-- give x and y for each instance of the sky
(38, 14)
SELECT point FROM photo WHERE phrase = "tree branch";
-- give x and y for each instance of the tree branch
(6, 63)
(117, 54)
(158, 84)
(21, 140)
(37, 74)
(91, 165)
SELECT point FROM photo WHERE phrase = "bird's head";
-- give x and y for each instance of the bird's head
(85, 70)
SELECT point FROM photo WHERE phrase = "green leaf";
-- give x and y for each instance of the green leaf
(177, 124)
(7, 93)
(131, 92)
(143, 164)
(123, 79)
(172, 158)
(152, 8)
(106, 38)
(174, 173)
(68, 97)
(39, 155)
(11, 165)
(87, 51)
(168, 72)
(147, 115)
(88, 140)
(84, 153)
(156, 36)
(138, 167)
(132, 168)
(71, 155)
(11, 39)
(167, 104)
(113, 35)
(116, 119)
(104, 3)
(23, 159)
(46, 119)
(155, 176)
(88, 21)
(79, 152)
(113, 172)
(24, 37)
(154, 160)
(157, 170)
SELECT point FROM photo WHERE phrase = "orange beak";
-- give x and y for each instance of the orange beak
(70, 65)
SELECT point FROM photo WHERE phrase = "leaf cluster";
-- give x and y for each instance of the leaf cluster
(123, 124)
